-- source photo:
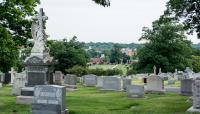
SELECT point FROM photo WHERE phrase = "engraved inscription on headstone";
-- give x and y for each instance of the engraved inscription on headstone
(90, 80)
(49, 95)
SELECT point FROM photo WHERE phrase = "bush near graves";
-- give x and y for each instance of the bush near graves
(80, 71)
(77, 70)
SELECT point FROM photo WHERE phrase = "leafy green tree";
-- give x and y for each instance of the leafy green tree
(13, 17)
(68, 54)
(116, 54)
(195, 63)
(8, 51)
(125, 58)
(167, 48)
(187, 11)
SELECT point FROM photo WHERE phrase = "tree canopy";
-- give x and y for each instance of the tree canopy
(68, 54)
(167, 48)
(8, 51)
(186, 11)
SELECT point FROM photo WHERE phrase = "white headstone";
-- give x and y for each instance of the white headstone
(19, 82)
(12, 73)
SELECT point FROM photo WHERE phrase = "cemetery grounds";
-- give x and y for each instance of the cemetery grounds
(89, 100)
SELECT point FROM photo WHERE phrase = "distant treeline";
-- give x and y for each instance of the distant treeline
(196, 46)
(109, 45)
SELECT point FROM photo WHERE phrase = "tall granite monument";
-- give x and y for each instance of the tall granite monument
(39, 63)
(39, 70)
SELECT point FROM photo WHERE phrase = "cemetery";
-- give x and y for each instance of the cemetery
(66, 77)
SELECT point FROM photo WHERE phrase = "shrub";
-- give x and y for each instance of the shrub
(80, 71)
(77, 70)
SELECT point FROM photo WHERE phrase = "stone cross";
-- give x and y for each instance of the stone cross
(154, 69)
(41, 18)
(12, 72)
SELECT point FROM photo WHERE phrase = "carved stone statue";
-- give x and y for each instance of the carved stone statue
(39, 49)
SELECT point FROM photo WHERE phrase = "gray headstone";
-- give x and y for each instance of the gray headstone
(171, 82)
(49, 95)
(126, 82)
(70, 79)
(155, 84)
(186, 87)
(135, 91)
(90, 80)
(58, 78)
(196, 94)
(112, 83)
(196, 97)
(99, 82)
(19, 82)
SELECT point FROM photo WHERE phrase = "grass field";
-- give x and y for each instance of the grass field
(118, 66)
(88, 100)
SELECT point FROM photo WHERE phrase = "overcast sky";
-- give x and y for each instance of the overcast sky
(122, 22)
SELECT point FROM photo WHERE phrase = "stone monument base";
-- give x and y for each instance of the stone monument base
(193, 110)
(24, 100)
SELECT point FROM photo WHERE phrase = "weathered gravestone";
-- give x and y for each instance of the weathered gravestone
(70, 81)
(49, 99)
(90, 80)
(99, 82)
(58, 78)
(155, 84)
(196, 97)
(186, 87)
(135, 91)
(126, 82)
(19, 82)
(113, 83)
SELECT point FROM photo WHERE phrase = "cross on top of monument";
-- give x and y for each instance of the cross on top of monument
(41, 17)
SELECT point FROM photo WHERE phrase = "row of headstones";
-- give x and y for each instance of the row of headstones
(116, 83)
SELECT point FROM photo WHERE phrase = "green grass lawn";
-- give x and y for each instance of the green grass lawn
(119, 66)
(88, 100)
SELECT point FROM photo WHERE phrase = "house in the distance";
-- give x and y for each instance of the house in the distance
(129, 52)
